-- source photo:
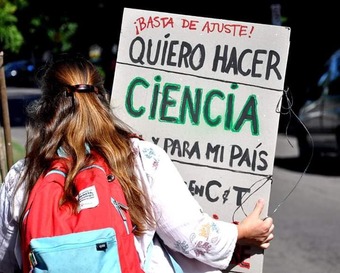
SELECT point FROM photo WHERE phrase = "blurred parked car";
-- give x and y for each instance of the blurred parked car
(21, 89)
(20, 73)
(18, 99)
(321, 113)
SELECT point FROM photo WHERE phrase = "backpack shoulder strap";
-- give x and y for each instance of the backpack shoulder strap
(56, 173)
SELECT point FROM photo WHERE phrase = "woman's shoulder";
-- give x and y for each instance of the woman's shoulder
(13, 175)
(147, 148)
(10, 191)
(149, 153)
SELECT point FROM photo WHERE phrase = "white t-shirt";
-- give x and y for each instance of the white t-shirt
(198, 242)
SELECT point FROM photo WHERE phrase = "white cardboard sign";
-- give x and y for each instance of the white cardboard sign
(209, 92)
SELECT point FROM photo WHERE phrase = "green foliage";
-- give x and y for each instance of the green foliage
(61, 36)
(10, 37)
(53, 32)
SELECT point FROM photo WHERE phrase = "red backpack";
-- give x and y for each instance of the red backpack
(96, 239)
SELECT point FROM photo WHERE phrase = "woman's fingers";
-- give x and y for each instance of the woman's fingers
(258, 208)
(266, 242)
(265, 245)
(269, 238)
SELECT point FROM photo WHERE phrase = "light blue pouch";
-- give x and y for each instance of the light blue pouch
(93, 251)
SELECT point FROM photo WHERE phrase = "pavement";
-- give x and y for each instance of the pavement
(18, 135)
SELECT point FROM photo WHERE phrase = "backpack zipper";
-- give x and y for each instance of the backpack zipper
(121, 208)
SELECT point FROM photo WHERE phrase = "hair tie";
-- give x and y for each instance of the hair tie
(82, 88)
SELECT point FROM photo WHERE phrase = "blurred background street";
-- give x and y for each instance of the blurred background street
(307, 222)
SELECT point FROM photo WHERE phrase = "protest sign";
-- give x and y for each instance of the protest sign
(209, 92)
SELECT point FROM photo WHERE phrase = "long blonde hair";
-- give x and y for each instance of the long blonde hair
(62, 118)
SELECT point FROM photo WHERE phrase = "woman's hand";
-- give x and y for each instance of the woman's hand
(255, 231)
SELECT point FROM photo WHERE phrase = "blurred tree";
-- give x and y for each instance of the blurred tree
(23, 23)
(55, 36)
(48, 26)
(10, 36)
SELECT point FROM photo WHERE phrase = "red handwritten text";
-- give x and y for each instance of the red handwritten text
(189, 24)
(143, 23)
(233, 29)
